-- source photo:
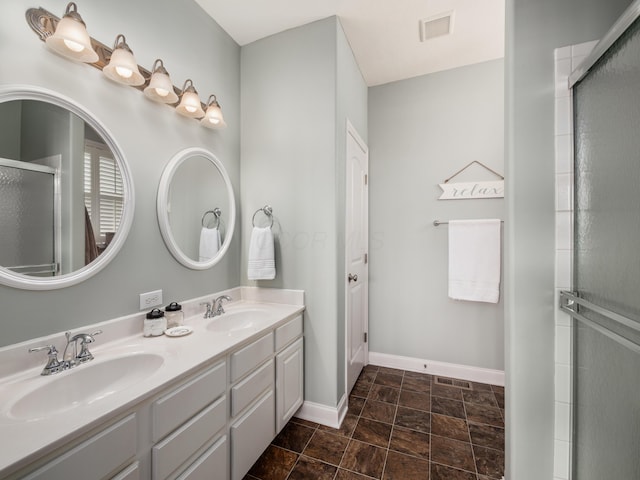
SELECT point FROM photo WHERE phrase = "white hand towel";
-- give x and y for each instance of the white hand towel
(474, 260)
(262, 264)
(209, 243)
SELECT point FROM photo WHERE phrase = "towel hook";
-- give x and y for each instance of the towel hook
(267, 210)
(216, 212)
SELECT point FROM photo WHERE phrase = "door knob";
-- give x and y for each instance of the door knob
(353, 278)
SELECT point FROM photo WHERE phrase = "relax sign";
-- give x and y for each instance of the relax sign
(472, 190)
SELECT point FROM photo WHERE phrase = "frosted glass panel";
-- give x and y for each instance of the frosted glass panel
(26, 216)
(607, 263)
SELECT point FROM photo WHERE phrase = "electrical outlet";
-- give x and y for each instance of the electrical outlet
(150, 299)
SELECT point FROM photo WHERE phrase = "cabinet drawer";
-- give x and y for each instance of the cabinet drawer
(132, 472)
(251, 387)
(100, 455)
(288, 332)
(213, 463)
(251, 435)
(249, 357)
(185, 401)
(173, 451)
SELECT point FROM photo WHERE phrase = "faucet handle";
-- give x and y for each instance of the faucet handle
(207, 314)
(53, 365)
(85, 355)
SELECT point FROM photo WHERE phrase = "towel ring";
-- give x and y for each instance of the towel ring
(216, 212)
(267, 210)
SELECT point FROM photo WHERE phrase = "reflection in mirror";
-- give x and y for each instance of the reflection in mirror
(196, 208)
(64, 191)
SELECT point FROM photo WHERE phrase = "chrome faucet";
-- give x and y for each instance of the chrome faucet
(71, 357)
(217, 308)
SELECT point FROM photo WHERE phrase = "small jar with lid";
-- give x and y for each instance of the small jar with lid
(174, 314)
(155, 323)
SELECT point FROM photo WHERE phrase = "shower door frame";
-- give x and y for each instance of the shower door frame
(581, 59)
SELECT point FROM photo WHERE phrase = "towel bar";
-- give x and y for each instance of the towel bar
(437, 223)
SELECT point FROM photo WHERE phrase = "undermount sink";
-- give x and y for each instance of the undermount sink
(83, 385)
(240, 321)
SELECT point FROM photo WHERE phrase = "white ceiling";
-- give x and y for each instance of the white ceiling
(384, 34)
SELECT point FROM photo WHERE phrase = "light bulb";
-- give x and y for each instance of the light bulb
(73, 46)
(162, 92)
(124, 72)
(190, 108)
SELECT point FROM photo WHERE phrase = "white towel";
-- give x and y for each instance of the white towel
(209, 243)
(474, 260)
(262, 264)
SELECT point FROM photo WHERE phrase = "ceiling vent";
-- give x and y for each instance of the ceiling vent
(436, 26)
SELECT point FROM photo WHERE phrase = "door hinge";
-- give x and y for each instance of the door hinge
(366, 179)
(366, 258)
(365, 337)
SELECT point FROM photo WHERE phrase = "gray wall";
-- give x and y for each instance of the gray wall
(534, 30)
(422, 131)
(351, 105)
(297, 88)
(149, 134)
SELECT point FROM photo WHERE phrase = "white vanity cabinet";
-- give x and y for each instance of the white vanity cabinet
(188, 426)
(213, 424)
(267, 396)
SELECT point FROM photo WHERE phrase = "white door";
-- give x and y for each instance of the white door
(357, 268)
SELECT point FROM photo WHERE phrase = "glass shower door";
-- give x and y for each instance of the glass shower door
(606, 328)
(27, 216)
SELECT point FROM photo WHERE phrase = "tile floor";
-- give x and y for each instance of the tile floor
(400, 426)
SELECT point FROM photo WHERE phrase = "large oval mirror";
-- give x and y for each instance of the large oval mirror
(196, 208)
(66, 195)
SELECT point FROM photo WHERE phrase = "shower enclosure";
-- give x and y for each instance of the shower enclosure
(28, 218)
(605, 304)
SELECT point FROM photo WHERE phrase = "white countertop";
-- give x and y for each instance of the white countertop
(28, 438)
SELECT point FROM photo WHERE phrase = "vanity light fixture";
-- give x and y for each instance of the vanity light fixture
(213, 118)
(71, 39)
(160, 88)
(122, 67)
(190, 103)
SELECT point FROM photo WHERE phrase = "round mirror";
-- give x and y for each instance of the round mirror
(66, 195)
(196, 208)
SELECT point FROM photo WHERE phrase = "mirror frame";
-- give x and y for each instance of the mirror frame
(163, 215)
(12, 279)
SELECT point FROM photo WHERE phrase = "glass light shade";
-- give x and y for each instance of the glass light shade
(213, 118)
(71, 39)
(122, 67)
(160, 88)
(190, 103)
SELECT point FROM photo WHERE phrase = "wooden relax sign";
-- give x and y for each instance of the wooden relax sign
(472, 190)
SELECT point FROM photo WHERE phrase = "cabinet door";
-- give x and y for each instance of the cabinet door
(289, 383)
(251, 435)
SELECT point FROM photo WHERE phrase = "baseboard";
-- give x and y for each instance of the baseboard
(463, 372)
(319, 413)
